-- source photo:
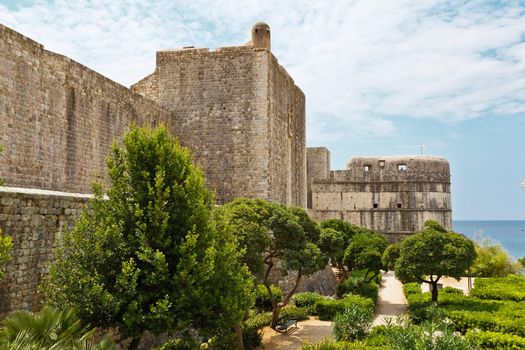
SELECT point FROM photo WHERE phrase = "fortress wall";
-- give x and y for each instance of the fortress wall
(318, 167)
(287, 135)
(35, 219)
(58, 118)
(218, 101)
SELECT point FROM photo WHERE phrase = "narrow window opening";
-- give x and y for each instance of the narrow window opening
(367, 168)
(402, 167)
(376, 205)
(382, 163)
(399, 205)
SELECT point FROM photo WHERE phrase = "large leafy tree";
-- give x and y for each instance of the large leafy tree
(145, 256)
(434, 252)
(365, 252)
(272, 234)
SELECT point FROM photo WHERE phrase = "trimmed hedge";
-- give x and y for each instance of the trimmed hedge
(308, 300)
(412, 288)
(470, 312)
(494, 340)
(327, 309)
(511, 287)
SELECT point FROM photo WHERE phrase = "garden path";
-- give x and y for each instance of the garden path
(391, 301)
(310, 331)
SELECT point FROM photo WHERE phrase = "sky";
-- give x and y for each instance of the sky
(380, 77)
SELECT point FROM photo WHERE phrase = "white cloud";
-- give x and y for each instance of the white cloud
(361, 63)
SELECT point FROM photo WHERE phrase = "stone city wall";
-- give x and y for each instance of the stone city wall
(36, 220)
(58, 118)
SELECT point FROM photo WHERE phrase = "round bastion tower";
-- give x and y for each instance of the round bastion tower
(261, 35)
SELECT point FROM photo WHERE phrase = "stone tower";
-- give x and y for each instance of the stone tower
(241, 115)
(391, 195)
(261, 35)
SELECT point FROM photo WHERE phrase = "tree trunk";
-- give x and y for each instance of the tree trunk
(434, 291)
(275, 315)
(238, 337)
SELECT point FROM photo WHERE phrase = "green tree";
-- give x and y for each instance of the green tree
(434, 252)
(332, 245)
(145, 256)
(493, 260)
(365, 252)
(391, 254)
(348, 231)
(272, 234)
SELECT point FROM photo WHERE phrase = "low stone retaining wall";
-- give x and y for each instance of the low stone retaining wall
(35, 219)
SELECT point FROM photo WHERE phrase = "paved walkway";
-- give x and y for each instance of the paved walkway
(310, 331)
(391, 301)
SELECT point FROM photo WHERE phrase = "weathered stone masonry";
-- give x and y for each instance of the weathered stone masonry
(58, 118)
(241, 115)
(236, 108)
(391, 195)
(35, 219)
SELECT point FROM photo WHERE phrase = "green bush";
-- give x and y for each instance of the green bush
(308, 300)
(450, 290)
(412, 288)
(297, 313)
(262, 298)
(494, 340)
(331, 345)
(179, 344)
(251, 337)
(353, 323)
(358, 285)
(327, 309)
(511, 287)
(259, 320)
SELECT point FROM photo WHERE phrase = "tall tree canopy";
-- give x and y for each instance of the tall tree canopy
(434, 252)
(145, 256)
(365, 252)
(272, 234)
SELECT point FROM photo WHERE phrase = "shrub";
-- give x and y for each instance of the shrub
(358, 285)
(308, 300)
(327, 309)
(251, 337)
(331, 345)
(179, 344)
(297, 313)
(353, 323)
(494, 340)
(506, 288)
(451, 290)
(412, 288)
(259, 320)
(262, 298)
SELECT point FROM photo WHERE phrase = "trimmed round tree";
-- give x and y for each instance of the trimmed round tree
(271, 234)
(434, 252)
(365, 252)
(144, 256)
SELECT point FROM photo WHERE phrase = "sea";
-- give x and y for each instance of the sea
(509, 233)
